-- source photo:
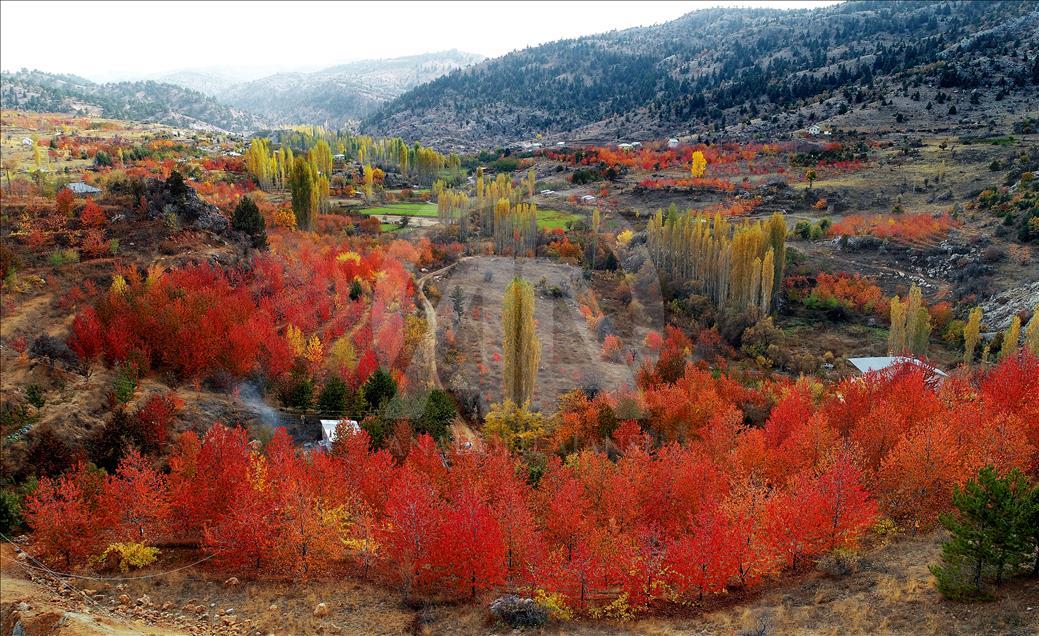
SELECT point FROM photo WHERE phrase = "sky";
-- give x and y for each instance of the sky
(128, 40)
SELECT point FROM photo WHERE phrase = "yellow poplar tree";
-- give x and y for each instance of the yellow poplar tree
(1010, 338)
(896, 339)
(1032, 333)
(971, 334)
(522, 350)
(699, 166)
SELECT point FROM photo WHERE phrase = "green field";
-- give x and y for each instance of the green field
(552, 219)
(388, 227)
(404, 209)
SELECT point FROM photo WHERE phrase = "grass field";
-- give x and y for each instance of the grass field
(552, 219)
(389, 227)
(404, 209)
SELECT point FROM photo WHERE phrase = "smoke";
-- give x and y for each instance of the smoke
(253, 401)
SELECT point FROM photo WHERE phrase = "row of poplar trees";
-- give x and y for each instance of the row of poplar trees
(500, 210)
(734, 264)
(306, 175)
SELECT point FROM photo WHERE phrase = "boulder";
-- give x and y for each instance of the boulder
(321, 610)
(516, 611)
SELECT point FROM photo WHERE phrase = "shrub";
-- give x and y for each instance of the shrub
(34, 395)
(125, 383)
(61, 257)
(839, 563)
(129, 555)
(10, 512)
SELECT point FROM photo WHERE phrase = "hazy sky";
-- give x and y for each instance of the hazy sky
(109, 40)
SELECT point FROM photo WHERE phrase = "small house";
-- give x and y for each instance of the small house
(625, 146)
(330, 430)
(79, 188)
(26, 141)
(672, 143)
(588, 198)
(560, 144)
(887, 365)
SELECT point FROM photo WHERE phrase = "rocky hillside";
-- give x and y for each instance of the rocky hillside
(714, 69)
(340, 96)
(139, 101)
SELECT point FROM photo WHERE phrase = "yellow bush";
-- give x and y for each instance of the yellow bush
(131, 555)
(554, 604)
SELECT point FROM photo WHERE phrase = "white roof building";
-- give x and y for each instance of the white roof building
(886, 364)
(330, 430)
(672, 143)
(588, 197)
(78, 187)
(814, 129)
(26, 141)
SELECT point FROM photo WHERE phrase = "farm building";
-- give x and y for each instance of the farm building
(80, 188)
(330, 430)
(672, 143)
(887, 364)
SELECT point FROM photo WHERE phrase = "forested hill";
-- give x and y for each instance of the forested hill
(138, 101)
(714, 68)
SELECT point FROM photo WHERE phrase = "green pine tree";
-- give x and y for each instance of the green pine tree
(990, 533)
(247, 219)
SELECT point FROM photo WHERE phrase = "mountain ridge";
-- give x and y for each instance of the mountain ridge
(712, 68)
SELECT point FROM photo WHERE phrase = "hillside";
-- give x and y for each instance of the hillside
(339, 95)
(138, 101)
(714, 69)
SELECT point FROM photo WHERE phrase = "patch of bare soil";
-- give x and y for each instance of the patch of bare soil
(570, 352)
(888, 591)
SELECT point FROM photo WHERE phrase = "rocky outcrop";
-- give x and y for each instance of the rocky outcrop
(174, 197)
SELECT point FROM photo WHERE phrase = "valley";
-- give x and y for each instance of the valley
(713, 336)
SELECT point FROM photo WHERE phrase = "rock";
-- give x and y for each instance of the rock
(229, 620)
(166, 606)
(231, 582)
(124, 599)
(272, 608)
(23, 607)
(144, 601)
(516, 611)
(18, 629)
(321, 610)
(229, 610)
(200, 609)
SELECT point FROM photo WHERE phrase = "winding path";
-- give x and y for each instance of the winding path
(460, 429)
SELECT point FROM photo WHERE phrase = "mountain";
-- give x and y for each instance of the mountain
(140, 101)
(341, 95)
(714, 68)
